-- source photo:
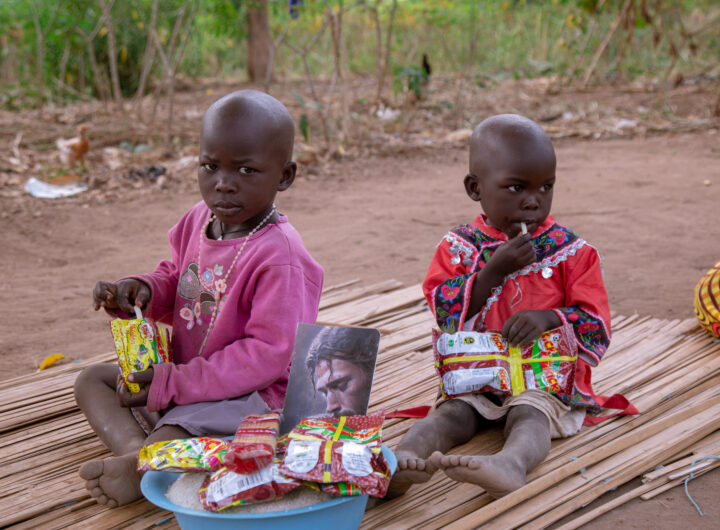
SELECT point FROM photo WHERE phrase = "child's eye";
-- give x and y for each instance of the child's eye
(546, 187)
(208, 166)
(244, 170)
(515, 188)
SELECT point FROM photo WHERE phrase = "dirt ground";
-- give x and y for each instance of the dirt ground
(648, 202)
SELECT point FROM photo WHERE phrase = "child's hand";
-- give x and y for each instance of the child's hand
(139, 399)
(124, 295)
(525, 326)
(513, 255)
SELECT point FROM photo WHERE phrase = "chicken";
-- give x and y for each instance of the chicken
(74, 150)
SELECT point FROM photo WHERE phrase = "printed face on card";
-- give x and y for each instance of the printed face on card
(332, 372)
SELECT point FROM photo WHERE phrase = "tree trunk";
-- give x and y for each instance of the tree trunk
(112, 50)
(40, 36)
(259, 40)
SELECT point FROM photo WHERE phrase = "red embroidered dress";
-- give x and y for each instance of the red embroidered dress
(566, 278)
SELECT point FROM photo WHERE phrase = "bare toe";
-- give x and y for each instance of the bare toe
(467, 461)
(416, 464)
(96, 492)
(91, 470)
(411, 470)
(118, 482)
(496, 475)
(437, 459)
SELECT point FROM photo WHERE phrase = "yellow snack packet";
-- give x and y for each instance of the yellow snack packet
(139, 343)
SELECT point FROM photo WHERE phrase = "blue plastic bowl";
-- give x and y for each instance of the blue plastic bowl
(341, 512)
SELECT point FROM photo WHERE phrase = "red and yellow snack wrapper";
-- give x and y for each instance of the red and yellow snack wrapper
(470, 362)
(253, 447)
(139, 343)
(343, 455)
(187, 454)
(225, 488)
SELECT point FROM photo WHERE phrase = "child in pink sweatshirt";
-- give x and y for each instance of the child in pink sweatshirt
(238, 283)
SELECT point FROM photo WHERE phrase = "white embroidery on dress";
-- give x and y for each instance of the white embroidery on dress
(551, 261)
(461, 250)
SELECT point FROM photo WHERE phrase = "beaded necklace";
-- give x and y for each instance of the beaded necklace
(221, 283)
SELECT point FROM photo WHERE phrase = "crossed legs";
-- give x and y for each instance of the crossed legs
(114, 480)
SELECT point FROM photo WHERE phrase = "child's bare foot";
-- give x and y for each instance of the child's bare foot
(497, 474)
(411, 470)
(113, 481)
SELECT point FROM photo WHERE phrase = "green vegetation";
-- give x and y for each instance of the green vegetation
(57, 50)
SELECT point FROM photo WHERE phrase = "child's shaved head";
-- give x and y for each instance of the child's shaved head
(505, 136)
(269, 119)
(245, 157)
(512, 172)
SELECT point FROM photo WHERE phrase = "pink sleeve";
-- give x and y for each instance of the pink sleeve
(163, 281)
(282, 298)
(163, 284)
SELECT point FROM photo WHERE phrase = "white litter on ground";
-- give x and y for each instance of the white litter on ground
(43, 190)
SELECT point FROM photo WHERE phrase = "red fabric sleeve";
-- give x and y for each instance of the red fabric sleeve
(447, 288)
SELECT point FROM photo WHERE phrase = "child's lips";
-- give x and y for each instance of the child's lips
(227, 208)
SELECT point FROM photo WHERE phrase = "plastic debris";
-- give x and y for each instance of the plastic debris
(43, 190)
(50, 360)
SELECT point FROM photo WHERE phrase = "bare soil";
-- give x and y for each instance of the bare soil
(647, 200)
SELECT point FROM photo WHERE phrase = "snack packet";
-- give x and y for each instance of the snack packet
(343, 451)
(253, 447)
(139, 343)
(225, 488)
(187, 454)
(472, 362)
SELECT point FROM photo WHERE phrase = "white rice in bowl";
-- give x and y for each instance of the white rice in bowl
(184, 492)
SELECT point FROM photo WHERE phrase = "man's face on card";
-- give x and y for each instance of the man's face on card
(345, 385)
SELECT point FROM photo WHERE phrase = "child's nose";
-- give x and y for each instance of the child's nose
(530, 202)
(225, 184)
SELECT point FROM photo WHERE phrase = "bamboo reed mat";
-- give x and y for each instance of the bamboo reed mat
(669, 369)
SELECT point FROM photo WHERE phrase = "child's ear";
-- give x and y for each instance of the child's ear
(472, 186)
(288, 175)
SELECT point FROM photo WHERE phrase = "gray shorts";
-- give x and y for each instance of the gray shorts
(564, 421)
(209, 418)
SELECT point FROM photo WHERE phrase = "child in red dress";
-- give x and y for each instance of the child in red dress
(491, 275)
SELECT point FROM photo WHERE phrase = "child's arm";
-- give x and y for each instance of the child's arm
(587, 309)
(586, 306)
(508, 258)
(283, 297)
(162, 284)
(455, 294)
(154, 292)
(163, 281)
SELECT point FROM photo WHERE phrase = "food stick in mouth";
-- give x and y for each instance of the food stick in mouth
(523, 227)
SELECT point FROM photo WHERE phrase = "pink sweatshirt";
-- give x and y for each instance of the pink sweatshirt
(274, 285)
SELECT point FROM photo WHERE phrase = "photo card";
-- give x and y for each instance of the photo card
(331, 374)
